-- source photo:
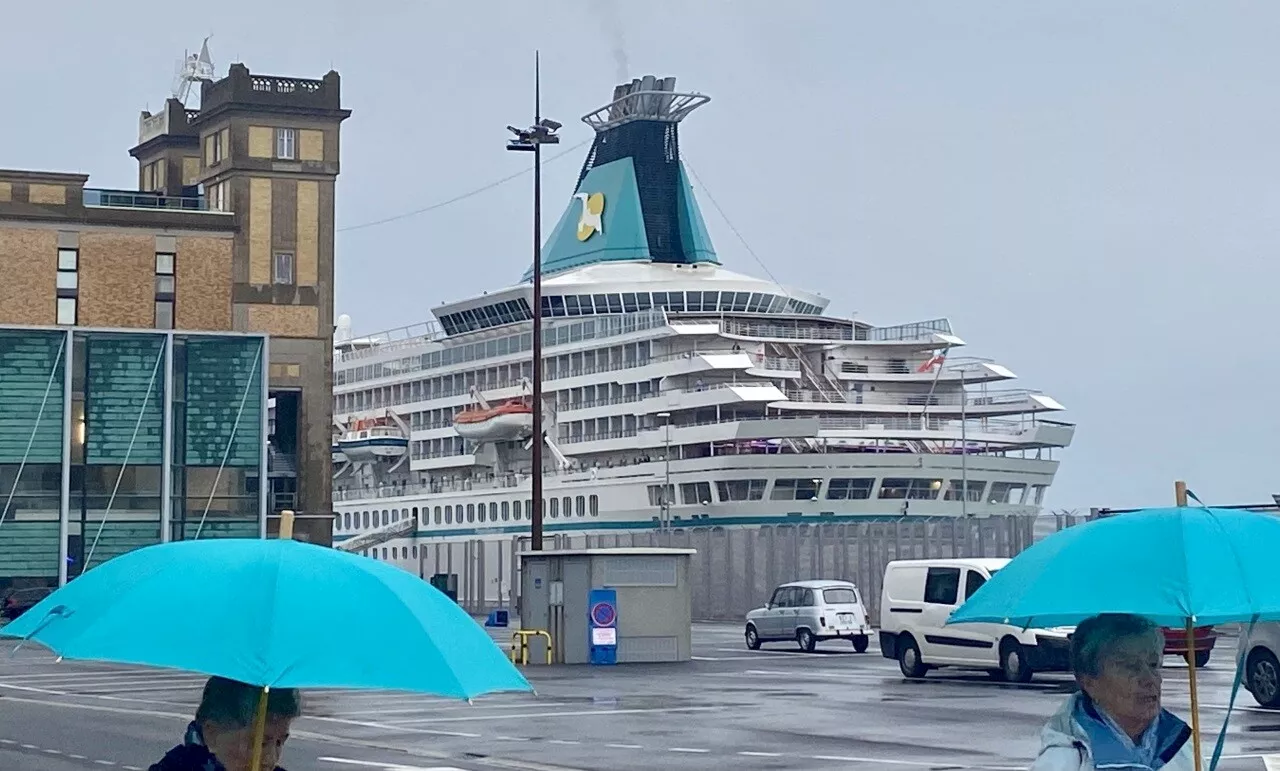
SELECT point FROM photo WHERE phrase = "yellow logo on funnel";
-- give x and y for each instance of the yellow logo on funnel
(589, 221)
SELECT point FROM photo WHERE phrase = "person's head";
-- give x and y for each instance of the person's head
(226, 718)
(1116, 659)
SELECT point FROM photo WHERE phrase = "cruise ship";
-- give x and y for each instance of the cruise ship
(678, 393)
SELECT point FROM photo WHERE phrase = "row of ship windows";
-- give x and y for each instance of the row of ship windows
(506, 511)
(847, 489)
(511, 311)
(395, 553)
(552, 335)
(503, 376)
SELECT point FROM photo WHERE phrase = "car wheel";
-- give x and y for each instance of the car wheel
(753, 638)
(909, 659)
(1013, 662)
(860, 643)
(1263, 678)
(806, 640)
(1202, 659)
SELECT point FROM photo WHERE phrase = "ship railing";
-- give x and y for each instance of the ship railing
(779, 331)
(990, 398)
(916, 330)
(632, 398)
(379, 343)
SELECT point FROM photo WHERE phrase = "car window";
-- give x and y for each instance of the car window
(973, 581)
(806, 598)
(792, 598)
(779, 595)
(840, 596)
(942, 585)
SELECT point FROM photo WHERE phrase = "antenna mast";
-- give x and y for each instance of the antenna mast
(194, 68)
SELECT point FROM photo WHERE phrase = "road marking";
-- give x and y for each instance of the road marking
(563, 741)
(746, 754)
(546, 715)
(885, 761)
(385, 766)
(688, 750)
(624, 746)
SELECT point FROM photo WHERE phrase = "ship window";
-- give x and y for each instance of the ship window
(1037, 494)
(471, 512)
(695, 492)
(655, 494)
(740, 300)
(675, 301)
(493, 512)
(554, 509)
(515, 510)
(850, 489)
(366, 519)
(694, 301)
(615, 303)
(795, 490)
(972, 487)
(395, 515)
(1006, 492)
(643, 301)
(629, 302)
(602, 303)
(581, 504)
(415, 513)
(384, 552)
(437, 515)
(346, 521)
(415, 552)
(568, 506)
(386, 517)
(741, 489)
(595, 505)
(448, 515)
(557, 305)
(911, 489)
(506, 511)
(571, 305)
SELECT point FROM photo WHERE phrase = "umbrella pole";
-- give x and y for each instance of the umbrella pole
(260, 730)
(1195, 700)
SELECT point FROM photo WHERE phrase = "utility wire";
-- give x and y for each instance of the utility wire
(464, 196)
(732, 227)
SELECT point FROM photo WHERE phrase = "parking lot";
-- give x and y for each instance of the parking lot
(775, 708)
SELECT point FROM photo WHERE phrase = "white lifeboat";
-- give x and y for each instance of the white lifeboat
(376, 438)
(511, 420)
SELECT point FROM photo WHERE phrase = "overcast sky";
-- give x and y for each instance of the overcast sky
(1086, 189)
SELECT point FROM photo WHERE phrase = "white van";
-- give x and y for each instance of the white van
(918, 598)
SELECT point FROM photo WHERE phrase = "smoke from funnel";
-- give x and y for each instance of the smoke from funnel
(606, 12)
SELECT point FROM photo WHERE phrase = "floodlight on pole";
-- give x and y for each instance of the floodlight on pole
(531, 139)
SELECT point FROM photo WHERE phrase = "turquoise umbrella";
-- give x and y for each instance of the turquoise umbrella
(1174, 566)
(271, 613)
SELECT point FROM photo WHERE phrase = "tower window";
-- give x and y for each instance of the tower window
(68, 286)
(286, 143)
(164, 289)
(282, 268)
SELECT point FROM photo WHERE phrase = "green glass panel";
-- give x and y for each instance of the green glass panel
(224, 401)
(31, 396)
(225, 529)
(117, 538)
(28, 549)
(124, 399)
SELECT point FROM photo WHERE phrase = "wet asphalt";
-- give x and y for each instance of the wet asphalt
(729, 708)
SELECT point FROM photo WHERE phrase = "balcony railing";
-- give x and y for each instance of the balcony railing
(124, 199)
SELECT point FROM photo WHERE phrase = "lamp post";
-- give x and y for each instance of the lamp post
(531, 139)
(664, 513)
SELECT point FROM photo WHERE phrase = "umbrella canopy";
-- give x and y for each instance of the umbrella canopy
(275, 613)
(1173, 566)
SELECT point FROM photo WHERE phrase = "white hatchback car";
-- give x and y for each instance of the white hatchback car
(1261, 652)
(809, 612)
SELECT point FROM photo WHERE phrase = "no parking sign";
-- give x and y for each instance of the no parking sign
(602, 626)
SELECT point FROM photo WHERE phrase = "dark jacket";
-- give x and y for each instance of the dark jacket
(191, 755)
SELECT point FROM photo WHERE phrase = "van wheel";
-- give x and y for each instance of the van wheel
(1013, 662)
(909, 659)
(860, 643)
(1262, 675)
(806, 640)
(753, 638)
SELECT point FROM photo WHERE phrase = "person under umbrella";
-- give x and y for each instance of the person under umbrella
(221, 738)
(1116, 721)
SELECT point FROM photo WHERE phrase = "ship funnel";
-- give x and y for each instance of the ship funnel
(633, 201)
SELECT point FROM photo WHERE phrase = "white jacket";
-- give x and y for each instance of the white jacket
(1064, 746)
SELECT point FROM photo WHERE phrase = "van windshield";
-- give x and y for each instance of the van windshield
(840, 596)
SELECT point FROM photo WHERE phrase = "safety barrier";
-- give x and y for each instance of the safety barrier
(520, 645)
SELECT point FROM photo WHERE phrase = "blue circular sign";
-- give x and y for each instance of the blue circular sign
(603, 614)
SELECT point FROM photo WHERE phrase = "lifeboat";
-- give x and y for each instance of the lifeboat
(508, 421)
(373, 439)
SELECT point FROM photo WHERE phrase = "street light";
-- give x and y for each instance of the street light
(664, 513)
(531, 139)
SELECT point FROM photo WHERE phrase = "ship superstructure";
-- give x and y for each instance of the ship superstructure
(677, 393)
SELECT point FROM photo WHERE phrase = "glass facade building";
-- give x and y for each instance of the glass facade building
(115, 439)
